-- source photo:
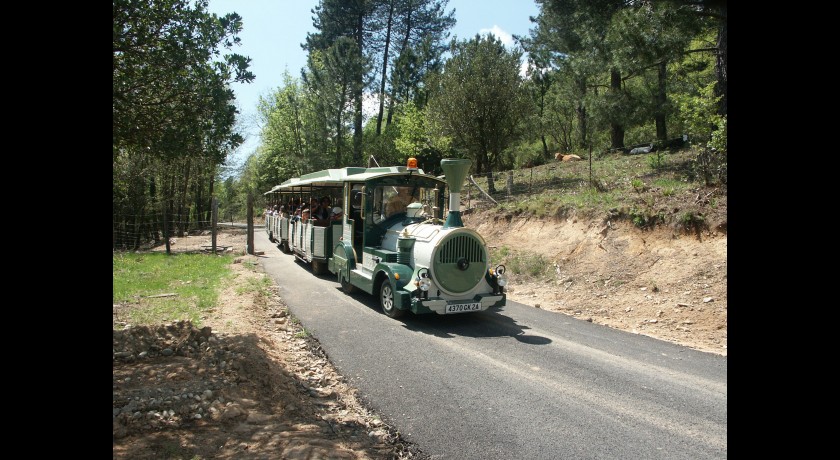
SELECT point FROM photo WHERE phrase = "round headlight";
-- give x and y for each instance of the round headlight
(425, 283)
(500, 275)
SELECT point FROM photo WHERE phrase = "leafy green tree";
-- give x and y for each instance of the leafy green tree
(415, 32)
(569, 35)
(646, 36)
(341, 35)
(283, 151)
(560, 114)
(479, 99)
(412, 137)
(716, 13)
(171, 94)
(330, 79)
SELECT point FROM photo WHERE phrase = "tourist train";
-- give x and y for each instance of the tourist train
(381, 230)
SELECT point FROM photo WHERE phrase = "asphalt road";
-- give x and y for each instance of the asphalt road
(515, 383)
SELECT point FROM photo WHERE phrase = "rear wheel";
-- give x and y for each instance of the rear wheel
(386, 300)
(318, 267)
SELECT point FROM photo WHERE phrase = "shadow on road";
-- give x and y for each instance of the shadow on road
(489, 323)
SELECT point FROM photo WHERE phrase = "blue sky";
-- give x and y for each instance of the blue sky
(274, 29)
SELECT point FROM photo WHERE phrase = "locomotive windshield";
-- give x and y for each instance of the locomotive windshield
(391, 200)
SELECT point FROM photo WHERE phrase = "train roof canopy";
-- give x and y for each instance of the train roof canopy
(336, 177)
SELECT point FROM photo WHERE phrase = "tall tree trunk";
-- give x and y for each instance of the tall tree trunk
(616, 129)
(154, 201)
(339, 136)
(543, 90)
(212, 179)
(358, 94)
(170, 207)
(580, 111)
(720, 63)
(396, 84)
(384, 69)
(390, 117)
(661, 100)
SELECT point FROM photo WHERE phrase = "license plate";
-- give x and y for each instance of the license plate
(463, 307)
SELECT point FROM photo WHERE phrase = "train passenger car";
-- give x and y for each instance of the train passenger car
(389, 239)
(276, 218)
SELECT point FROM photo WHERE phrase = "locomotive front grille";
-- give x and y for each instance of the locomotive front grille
(461, 246)
(459, 262)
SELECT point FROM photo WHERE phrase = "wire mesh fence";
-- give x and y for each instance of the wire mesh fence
(490, 188)
(135, 232)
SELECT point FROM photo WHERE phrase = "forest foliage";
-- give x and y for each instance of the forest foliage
(385, 80)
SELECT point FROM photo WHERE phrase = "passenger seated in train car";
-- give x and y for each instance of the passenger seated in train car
(324, 209)
(336, 214)
(294, 205)
(322, 213)
(314, 209)
(304, 215)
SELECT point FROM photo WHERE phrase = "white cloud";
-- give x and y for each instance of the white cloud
(523, 67)
(506, 38)
(507, 41)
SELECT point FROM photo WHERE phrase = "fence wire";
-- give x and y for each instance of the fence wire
(134, 232)
(515, 185)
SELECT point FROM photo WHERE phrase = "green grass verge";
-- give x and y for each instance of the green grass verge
(194, 279)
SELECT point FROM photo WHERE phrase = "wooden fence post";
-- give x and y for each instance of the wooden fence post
(250, 246)
(213, 223)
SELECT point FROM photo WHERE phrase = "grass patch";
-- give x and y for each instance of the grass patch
(614, 182)
(259, 286)
(194, 279)
(523, 263)
(302, 334)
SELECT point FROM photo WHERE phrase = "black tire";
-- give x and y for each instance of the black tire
(345, 285)
(318, 267)
(386, 300)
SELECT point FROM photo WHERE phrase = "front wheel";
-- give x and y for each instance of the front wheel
(386, 300)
